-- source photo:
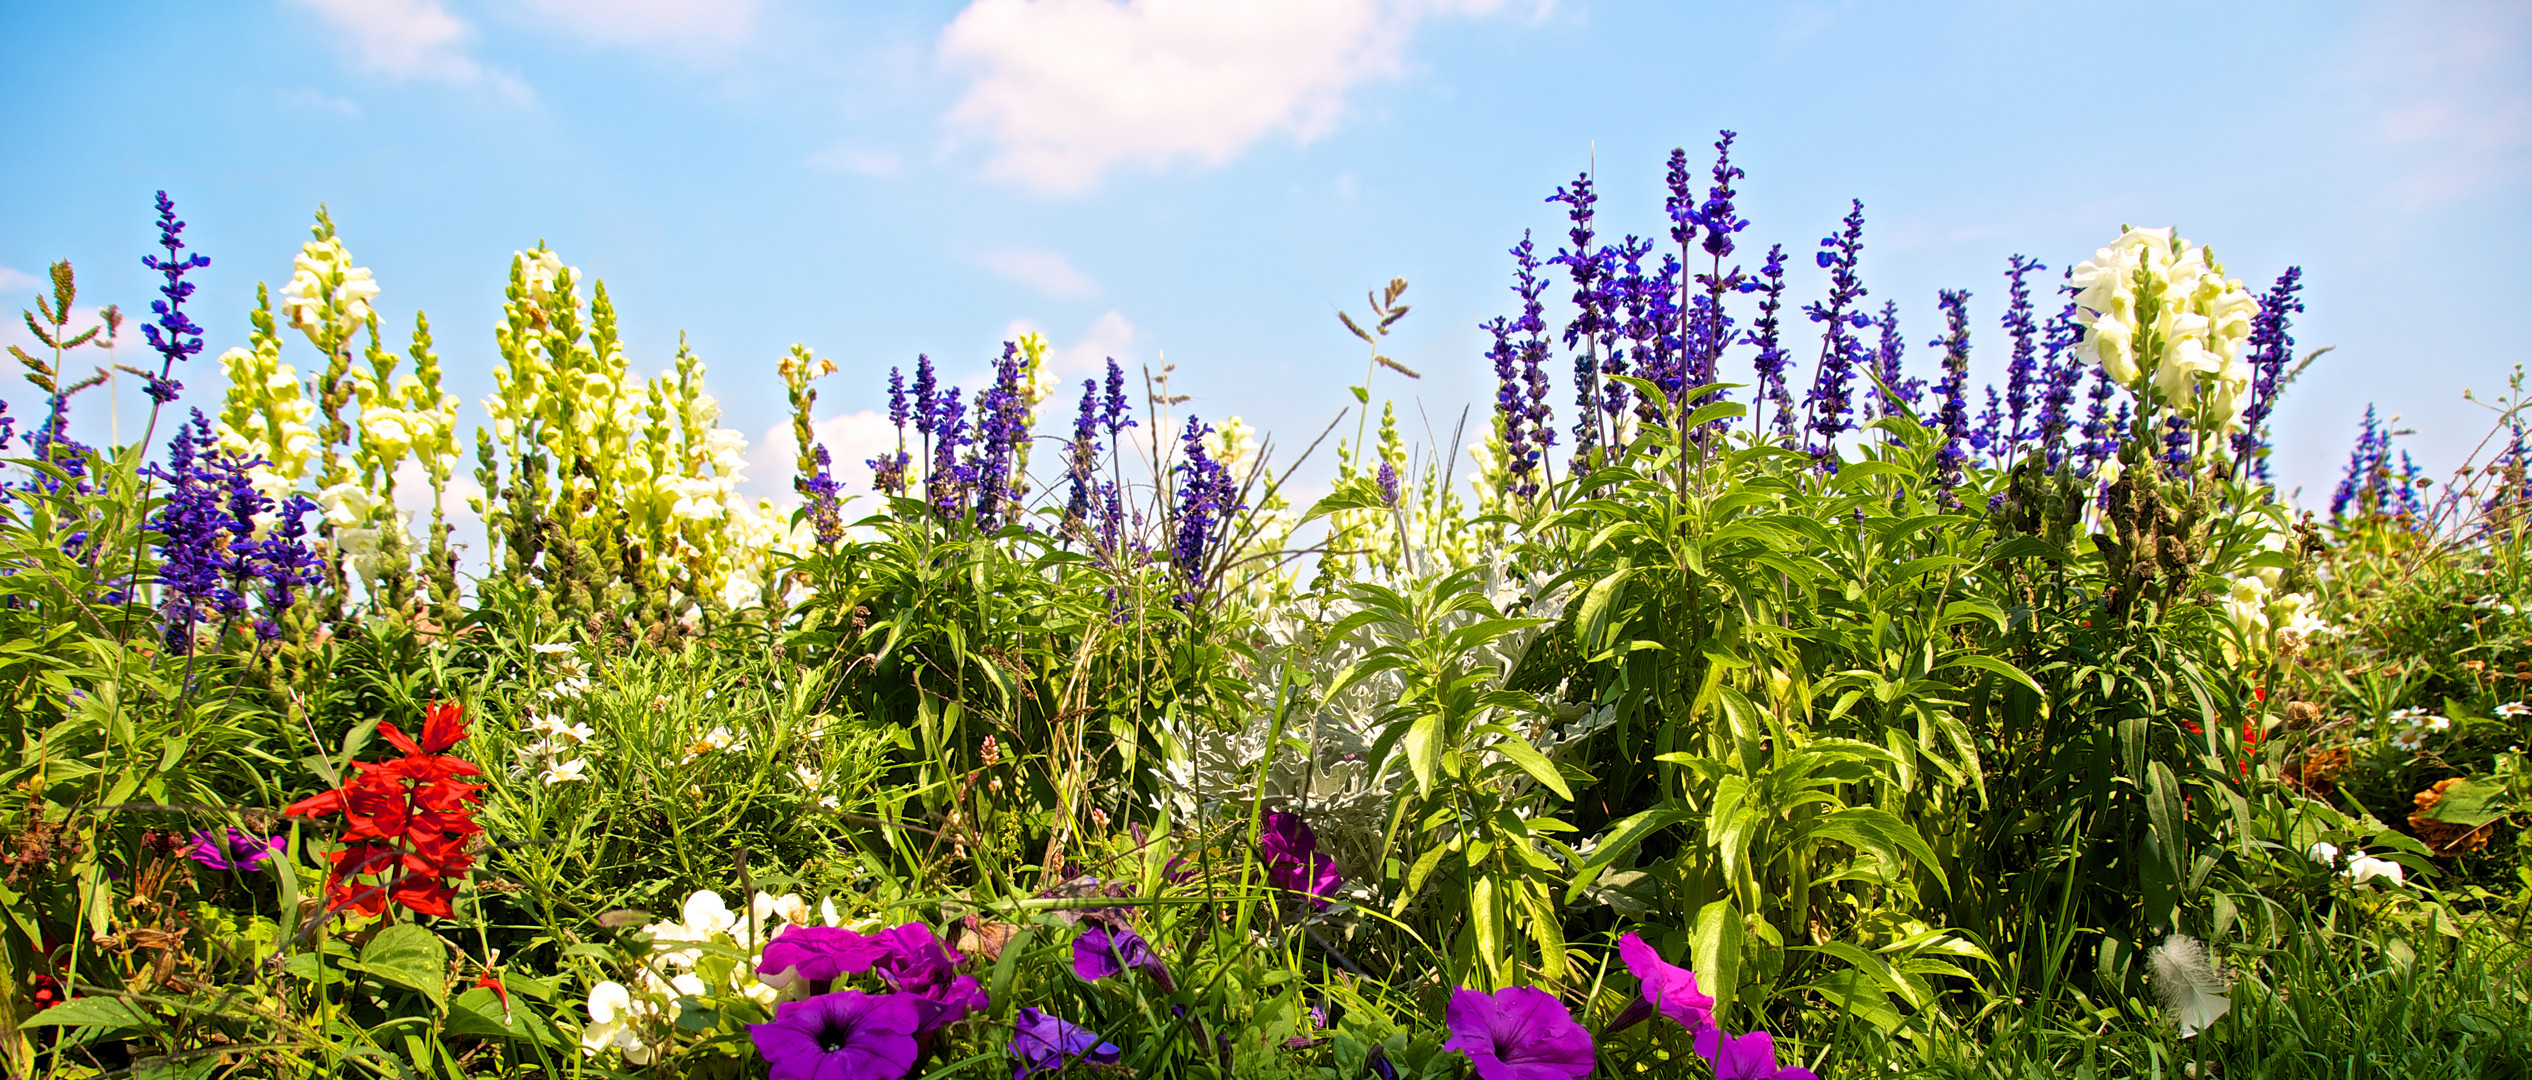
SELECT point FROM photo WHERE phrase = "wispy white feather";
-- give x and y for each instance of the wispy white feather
(2193, 987)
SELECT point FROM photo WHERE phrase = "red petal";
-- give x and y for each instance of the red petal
(315, 805)
(443, 726)
(428, 895)
(388, 730)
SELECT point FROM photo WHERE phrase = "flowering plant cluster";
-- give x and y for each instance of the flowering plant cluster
(406, 822)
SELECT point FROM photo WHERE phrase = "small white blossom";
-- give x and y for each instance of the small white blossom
(575, 769)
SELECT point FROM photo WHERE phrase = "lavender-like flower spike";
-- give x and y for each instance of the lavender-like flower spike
(1002, 423)
(2272, 345)
(2175, 443)
(1766, 334)
(2099, 442)
(287, 565)
(897, 402)
(195, 562)
(945, 484)
(2361, 488)
(1988, 436)
(2062, 372)
(2412, 506)
(926, 406)
(174, 336)
(1952, 412)
(2022, 373)
(826, 509)
(1681, 203)
(1832, 395)
(1512, 412)
(1534, 351)
(1717, 215)
(1082, 463)
(1119, 417)
(1207, 497)
(1586, 267)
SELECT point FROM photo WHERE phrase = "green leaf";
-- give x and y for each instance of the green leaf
(1984, 662)
(1519, 751)
(97, 1012)
(2470, 804)
(1423, 747)
(412, 957)
(1715, 942)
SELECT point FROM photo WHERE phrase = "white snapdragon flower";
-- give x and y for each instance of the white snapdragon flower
(616, 1021)
(347, 504)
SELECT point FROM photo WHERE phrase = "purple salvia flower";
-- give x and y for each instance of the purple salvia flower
(944, 484)
(1766, 334)
(2361, 489)
(1512, 411)
(1988, 436)
(888, 472)
(1518, 1033)
(173, 335)
(2272, 345)
(2063, 374)
(926, 406)
(846, 1035)
(2022, 373)
(1081, 463)
(826, 509)
(286, 563)
(1533, 355)
(1892, 388)
(1832, 396)
(1207, 497)
(1586, 267)
(2176, 442)
(195, 560)
(2099, 443)
(1002, 428)
(1388, 479)
(1952, 394)
(897, 401)
(1119, 416)
(1681, 203)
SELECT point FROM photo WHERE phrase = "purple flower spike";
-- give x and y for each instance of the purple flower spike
(815, 953)
(1291, 853)
(1667, 987)
(1750, 1057)
(847, 1035)
(1518, 1033)
(1045, 1043)
(1100, 952)
(230, 849)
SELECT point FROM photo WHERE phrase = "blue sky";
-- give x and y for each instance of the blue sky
(1209, 181)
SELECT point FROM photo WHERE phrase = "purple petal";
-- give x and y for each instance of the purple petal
(1094, 956)
(1669, 987)
(816, 953)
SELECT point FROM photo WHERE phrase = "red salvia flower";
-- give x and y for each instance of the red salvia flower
(405, 822)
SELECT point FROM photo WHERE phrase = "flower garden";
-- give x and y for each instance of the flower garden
(1741, 696)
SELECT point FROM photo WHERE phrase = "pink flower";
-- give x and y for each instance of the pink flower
(1518, 1033)
(1667, 987)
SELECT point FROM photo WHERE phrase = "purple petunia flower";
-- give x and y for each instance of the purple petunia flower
(1518, 1033)
(846, 1035)
(1100, 952)
(232, 849)
(1749, 1057)
(1045, 1043)
(915, 963)
(1293, 862)
(815, 953)
(1667, 987)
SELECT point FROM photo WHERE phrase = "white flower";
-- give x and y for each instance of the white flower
(2409, 716)
(2365, 868)
(2409, 739)
(2438, 723)
(552, 648)
(2324, 852)
(575, 769)
(2514, 709)
(612, 1014)
(570, 689)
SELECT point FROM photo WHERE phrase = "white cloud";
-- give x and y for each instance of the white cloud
(681, 24)
(1066, 89)
(411, 39)
(856, 159)
(1046, 271)
(2446, 86)
(14, 280)
(1108, 336)
(850, 440)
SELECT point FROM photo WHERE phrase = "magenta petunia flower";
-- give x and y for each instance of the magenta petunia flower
(815, 953)
(916, 963)
(1750, 1057)
(230, 849)
(1045, 1043)
(846, 1035)
(1667, 987)
(1518, 1033)
(1290, 851)
(1100, 952)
